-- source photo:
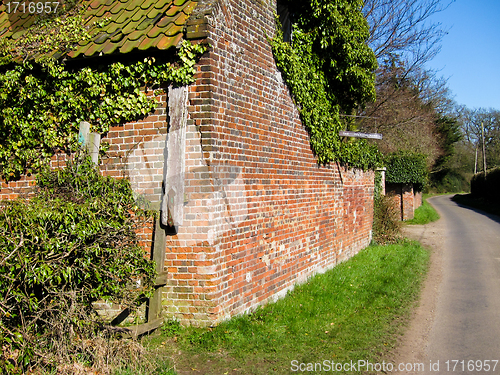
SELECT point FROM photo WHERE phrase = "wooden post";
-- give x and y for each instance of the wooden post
(382, 179)
(475, 162)
(175, 163)
(154, 305)
(93, 146)
(402, 202)
(484, 150)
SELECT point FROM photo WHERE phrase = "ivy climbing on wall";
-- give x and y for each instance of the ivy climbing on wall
(329, 69)
(42, 100)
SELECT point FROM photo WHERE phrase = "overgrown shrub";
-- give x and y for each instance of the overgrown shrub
(386, 220)
(71, 244)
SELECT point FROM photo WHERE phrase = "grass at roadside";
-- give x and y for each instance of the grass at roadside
(424, 214)
(353, 312)
(479, 203)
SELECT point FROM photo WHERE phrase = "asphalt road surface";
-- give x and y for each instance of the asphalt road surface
(465, 334)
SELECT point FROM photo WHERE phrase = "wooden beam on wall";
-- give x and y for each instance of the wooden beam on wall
(154, 304)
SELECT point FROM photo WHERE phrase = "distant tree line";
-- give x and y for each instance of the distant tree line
(414, 108)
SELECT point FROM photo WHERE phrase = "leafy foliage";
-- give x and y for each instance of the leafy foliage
(41, 105)
(449, 130)
(329, 70)
(449, 181)
(406, 167)
(71, 244)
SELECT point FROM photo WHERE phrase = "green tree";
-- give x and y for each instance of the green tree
(449, 132)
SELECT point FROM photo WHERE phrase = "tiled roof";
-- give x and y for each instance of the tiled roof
(133, 25)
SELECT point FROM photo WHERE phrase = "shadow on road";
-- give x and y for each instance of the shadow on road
(480, 206)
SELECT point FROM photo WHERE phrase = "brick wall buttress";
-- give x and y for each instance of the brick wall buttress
(259, 214)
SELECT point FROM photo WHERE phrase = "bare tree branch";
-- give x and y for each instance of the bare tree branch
(403, 28)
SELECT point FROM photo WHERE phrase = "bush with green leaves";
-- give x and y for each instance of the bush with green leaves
(449, 180)
(406, 168)
(72, 243)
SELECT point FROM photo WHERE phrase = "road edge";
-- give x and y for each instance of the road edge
(411, 347)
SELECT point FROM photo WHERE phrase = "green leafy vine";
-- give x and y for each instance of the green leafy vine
(43, 101)
(329, 70)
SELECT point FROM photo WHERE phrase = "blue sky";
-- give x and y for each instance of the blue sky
(470, 54)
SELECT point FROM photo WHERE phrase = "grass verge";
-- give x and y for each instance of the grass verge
(479, 203)
(353, 312)
(424, 214)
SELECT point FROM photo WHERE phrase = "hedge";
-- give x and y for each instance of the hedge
(406, 168)
(487, 187)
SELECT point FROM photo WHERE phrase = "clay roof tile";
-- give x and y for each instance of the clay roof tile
(133, 24)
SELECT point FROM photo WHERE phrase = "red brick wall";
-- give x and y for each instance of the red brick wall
(417, 202)
(260, 214)
(408, 208)
(13, 189)
(136, 153)
(405, 198)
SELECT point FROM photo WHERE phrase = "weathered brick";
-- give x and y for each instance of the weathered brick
(259, 214)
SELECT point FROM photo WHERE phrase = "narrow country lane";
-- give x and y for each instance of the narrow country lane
(467, 321)
(462, 333)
